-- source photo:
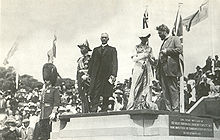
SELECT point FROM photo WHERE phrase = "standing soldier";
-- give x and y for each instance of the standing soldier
(50, 101)
(82, 78)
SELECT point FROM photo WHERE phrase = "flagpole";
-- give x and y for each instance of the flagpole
(182, 99)
(16, 79)
(210, 15)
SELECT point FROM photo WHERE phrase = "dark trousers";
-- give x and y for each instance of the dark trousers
(42, 130)
(98, 92)
(170, 91)
(83, 90)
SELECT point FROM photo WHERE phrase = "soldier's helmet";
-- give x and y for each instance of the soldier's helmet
(50, 73)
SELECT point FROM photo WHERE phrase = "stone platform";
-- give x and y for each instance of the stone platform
(134, 125)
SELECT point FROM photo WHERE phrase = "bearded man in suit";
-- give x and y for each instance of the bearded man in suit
(103, 67)
(168, 68)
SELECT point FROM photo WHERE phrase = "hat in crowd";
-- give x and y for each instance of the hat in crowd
(10, 120)
(84, 44)
(111, 98)
(27, 108)
(31, 104)
(23, 90)
(144, 33)
(118, 91)
(25, 120)
(61, 109)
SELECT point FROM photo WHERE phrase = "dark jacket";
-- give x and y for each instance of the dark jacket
(170, 62)
(10, 135)
(102, 65)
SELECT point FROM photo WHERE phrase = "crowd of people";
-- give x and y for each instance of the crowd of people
(204, 82)
(24, 107)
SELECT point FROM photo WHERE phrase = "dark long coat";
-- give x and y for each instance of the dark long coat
(103, 64)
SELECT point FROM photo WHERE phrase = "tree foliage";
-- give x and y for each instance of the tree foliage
(7, 80)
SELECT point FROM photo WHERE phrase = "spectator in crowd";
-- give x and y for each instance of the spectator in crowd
(203, 88)
(118, 100)
(197, 77)
(191, 89)
(10, 132)
(26, 131)
(198, 74)
(2, 103)
(217, 70)
(208, 65)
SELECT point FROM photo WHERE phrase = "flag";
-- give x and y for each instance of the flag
(10, 53)
(145, 19)
(197, 17)
(51, 54)
(178, 31)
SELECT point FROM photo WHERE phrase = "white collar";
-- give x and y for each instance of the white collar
(103, 45)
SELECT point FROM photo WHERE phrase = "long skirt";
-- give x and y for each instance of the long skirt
(140, 94)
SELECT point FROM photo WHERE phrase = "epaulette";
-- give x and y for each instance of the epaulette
(79, 59)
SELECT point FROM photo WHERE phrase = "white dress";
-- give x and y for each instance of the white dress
(140, 93)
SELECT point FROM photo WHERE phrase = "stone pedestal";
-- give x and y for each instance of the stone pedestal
(120, 127)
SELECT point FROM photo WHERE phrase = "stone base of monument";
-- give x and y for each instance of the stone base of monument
(134, 125)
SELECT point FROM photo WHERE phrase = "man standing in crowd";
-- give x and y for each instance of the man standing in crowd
(82, 78)
(103, 69)
(217, 70)
(10, 132)
(26, 131)
(168, 68)
(50, 102)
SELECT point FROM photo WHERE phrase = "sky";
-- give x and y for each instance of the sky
(33, 23)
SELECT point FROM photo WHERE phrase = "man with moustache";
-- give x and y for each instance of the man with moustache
(168, 68)
(103, 69)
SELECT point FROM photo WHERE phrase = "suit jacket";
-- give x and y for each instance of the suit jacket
(169, 62)
(27, 134)
(102, 65)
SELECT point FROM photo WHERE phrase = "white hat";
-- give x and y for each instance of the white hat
(144, 33)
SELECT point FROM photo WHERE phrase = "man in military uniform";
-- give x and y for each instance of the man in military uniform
(50, 101)
(82, 78)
